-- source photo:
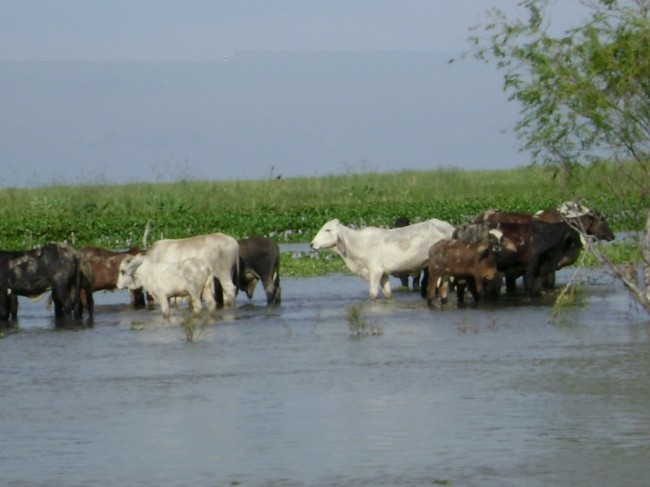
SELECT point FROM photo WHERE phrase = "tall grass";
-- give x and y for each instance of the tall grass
(290, 210)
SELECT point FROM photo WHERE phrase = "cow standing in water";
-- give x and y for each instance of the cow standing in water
(53, 267)
(259, 260)
(588, 223)
(374, 253)
(540, 248)
(165, 280)
(467, 263)
(104, 268)
(218, 251)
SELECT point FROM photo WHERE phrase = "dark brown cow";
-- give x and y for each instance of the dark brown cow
(584, 220)
(471, 262)
(53, 267)
(259, 259)
(104, 266)
(540, 248)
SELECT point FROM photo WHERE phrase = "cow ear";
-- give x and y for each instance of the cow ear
(136, 261)
(251, 275)
(340, 245)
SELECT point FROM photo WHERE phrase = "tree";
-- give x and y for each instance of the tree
(585, 95)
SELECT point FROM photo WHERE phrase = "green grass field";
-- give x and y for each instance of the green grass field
(292, 210)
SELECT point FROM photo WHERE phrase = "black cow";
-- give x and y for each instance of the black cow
(540, 248)
(53, 267)
(259, 259)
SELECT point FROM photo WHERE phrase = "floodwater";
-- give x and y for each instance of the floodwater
(503, 394)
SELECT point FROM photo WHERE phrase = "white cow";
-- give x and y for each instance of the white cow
(164, 280)
(218, 251)
(373, 253)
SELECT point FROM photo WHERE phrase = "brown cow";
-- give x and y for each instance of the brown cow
(471, 262)
(104, 266)
(540, 248)
(587, 222)
(582, 218)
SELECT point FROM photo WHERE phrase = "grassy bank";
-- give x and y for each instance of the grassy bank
(292, 210)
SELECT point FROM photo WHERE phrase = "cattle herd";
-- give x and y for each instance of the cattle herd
(207, 268)
(480, 254)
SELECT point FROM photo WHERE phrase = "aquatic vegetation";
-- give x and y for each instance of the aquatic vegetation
(291, 210)
(358, 323)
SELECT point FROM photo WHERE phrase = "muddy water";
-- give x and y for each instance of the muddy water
(494, 395)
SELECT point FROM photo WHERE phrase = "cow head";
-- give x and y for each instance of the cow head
(499, 242)
(248, 279)
(328, 236)
(127, 274)
(594, 224)
(586, 220)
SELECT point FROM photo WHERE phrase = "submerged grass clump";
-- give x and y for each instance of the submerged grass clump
(358, 324)
(193, 327)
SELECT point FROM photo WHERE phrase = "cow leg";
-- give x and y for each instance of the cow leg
(511, 284)
(374, 281)
(229, 293)
(270, 294)
(58, 305)
(475, 288)
(429, 289)
(531, 278)
(225, 291)
(209, 294)
(385, 286)
(85, 299)
(416, 282)
(269, 289)
(137, 298)
(213, 293)
(13, 306)
(164, 306)
(424, 282)
(493, 287)
(5, 305)
(443, 290)
(548, 281)
(195, 300)
(460, 290)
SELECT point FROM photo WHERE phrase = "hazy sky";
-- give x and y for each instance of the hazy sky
(134, 90)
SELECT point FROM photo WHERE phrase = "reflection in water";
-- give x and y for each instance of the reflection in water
(479, 395)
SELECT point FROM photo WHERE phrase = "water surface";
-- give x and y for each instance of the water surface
(493, 395)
